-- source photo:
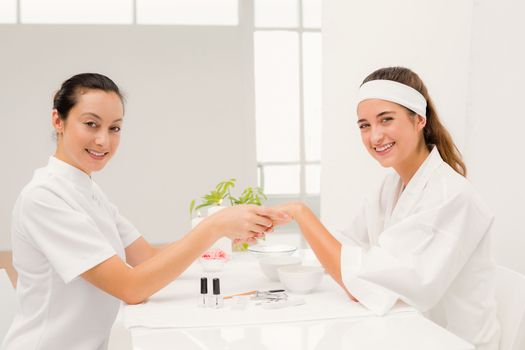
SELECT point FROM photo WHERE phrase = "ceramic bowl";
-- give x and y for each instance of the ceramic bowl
(269, 265)
(212, 265)
(266, 250)
(300, 279)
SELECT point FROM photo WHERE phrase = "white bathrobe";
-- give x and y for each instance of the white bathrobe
(429, 246)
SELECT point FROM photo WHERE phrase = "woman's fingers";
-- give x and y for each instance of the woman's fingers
(271, 213)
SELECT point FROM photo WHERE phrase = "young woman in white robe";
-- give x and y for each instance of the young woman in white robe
(76, 256)
(424, 236)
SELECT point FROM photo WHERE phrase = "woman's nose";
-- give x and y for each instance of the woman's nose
(101, 138)
(376, 136)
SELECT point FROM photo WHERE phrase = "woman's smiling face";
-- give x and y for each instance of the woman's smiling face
(90, 135)
(390, 133)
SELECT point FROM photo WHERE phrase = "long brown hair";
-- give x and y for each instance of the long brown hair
(434, 132)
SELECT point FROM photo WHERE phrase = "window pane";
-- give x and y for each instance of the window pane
(276, 95)
(312, 95)
(276, 13)
(76, 11)
(312, 10)
(7, 11)
(188, 12)
(313, 178)
(279, 179)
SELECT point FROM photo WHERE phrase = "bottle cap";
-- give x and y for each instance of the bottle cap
(204, 285)
(216, 287)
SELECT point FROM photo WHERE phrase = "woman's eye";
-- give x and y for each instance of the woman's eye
(91, 124)
(116, 129)
(363, 126)
(387, 119)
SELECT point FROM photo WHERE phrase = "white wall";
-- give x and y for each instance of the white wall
(430, 37)
(470, 54)
(189, 117)
(496, 121)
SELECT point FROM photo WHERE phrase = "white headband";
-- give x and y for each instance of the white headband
(393, 91)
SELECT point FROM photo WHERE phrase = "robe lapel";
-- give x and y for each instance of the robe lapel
(413, 191)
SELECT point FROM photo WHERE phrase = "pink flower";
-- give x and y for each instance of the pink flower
(215, 253)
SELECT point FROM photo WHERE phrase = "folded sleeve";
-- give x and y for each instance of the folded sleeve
(417, 259)
(68, 237)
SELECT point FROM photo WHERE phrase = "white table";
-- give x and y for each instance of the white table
(171, 319)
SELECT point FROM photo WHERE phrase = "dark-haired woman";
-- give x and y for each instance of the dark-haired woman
(424, 236)
(76, 256)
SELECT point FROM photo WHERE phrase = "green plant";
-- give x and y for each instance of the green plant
(214, 197)
(250, 195)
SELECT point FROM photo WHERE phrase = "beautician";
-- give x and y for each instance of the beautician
(76, 256)
(424, 236)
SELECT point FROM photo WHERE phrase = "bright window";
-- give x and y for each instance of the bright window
(76, 11)
(169, 12)
(7, 11)
(277, 95)
(276, 13)
(311, 13)
(188, 12)
(312, 95)
(287, 53)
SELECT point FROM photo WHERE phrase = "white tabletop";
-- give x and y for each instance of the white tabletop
(171, 319)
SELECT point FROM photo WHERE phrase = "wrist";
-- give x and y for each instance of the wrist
(296, 209)
(210, 229)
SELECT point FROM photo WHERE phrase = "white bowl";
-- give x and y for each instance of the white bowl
(269, 265)
(266, 250)
(212, 265)
(300, 279)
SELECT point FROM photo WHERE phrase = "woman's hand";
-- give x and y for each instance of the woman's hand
(292, 209)
(244, 221)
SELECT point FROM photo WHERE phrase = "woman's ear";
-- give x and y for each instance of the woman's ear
(421, 122)
(57, 122)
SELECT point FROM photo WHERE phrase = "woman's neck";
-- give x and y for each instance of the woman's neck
(407, 170)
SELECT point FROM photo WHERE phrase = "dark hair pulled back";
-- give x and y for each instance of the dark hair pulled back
(66, 98)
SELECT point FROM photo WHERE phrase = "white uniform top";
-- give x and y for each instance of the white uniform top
(428, 245)
(63, 225)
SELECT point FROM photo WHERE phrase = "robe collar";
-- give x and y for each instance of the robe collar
(410, 195)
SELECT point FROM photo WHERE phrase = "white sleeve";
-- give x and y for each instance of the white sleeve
(128, 233)
(69, 238)
(356, 234)
(416, 259)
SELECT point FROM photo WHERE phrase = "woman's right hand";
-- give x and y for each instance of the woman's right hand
(244, 221)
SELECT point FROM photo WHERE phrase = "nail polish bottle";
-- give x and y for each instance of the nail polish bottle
(217, 298)
(204, 291)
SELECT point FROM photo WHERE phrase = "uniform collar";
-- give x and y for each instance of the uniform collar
(69, 172)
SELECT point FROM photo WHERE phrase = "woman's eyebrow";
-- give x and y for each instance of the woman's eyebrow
(377, 116)
(385, 112)
(97, 117)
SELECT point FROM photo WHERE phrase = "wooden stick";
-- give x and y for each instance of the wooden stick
(240, 294)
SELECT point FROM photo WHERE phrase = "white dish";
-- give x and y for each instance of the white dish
(269, 265)
(300, 279)
(212, 265)
(266, 250)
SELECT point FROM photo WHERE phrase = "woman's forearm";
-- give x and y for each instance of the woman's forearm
(158, 271)
(325, 246)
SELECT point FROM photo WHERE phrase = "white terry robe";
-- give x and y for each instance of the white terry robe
(429, 246)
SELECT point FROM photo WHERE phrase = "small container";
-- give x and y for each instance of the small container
(217, 297)
(300, 279)
(204, 291)
(269, 265)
